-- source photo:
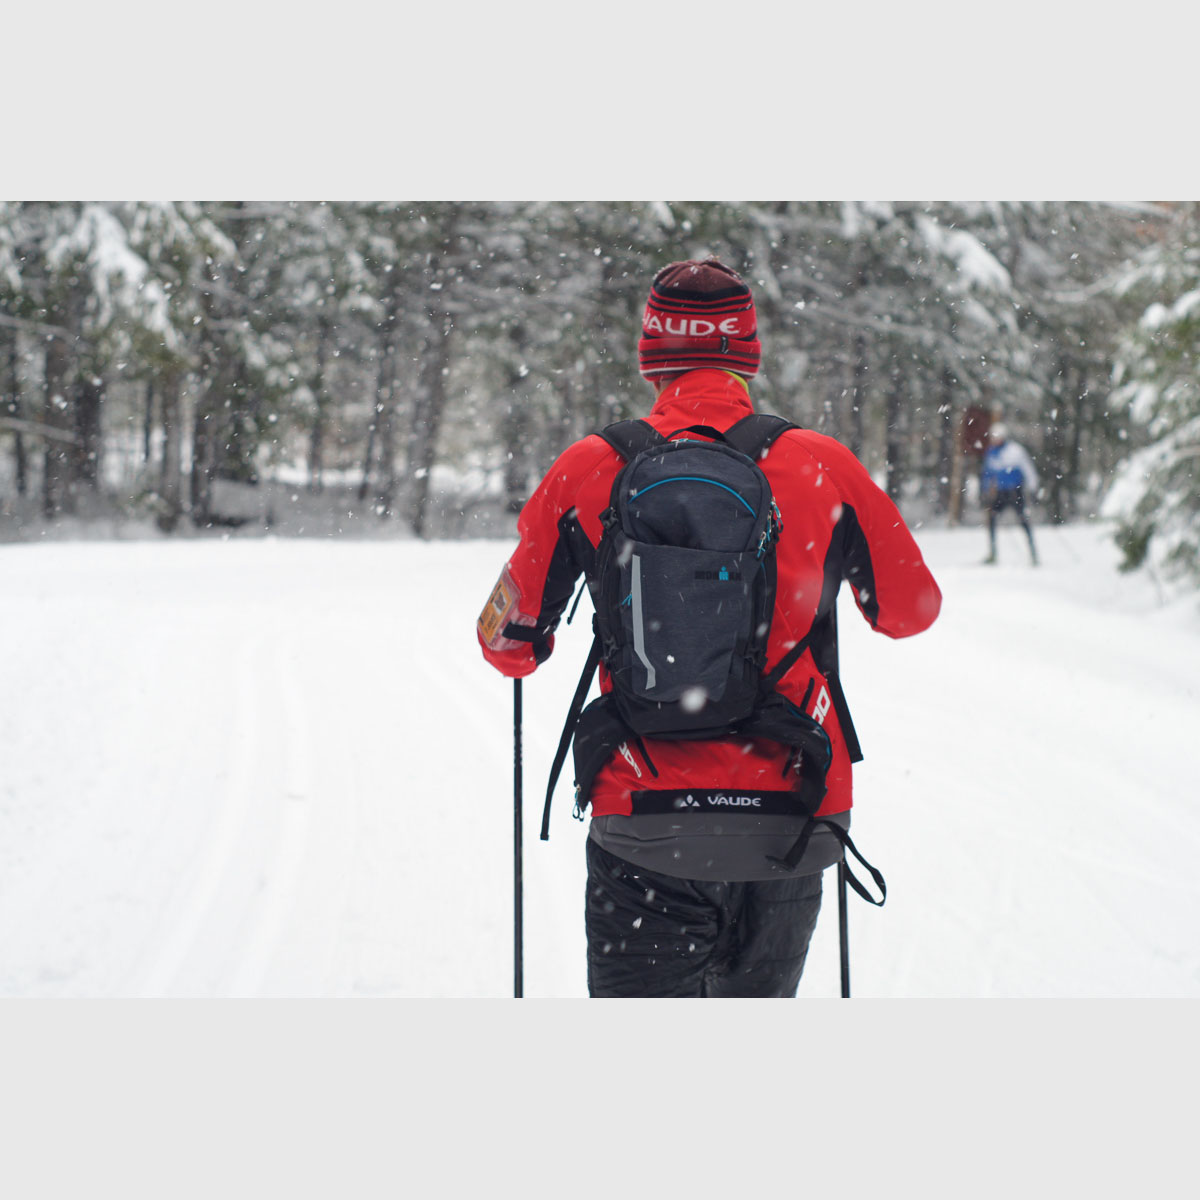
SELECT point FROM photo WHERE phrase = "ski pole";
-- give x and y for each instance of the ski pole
(518, 930)
(843, 928)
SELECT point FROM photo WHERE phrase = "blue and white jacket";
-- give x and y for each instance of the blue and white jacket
(1008, 466)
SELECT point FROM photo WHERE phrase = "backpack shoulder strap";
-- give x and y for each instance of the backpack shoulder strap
(630, 438)
(754, 435)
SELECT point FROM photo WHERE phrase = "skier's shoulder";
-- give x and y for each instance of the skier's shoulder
(582, 456)
(801, 446)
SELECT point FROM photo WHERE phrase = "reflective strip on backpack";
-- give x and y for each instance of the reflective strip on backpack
(639, 630)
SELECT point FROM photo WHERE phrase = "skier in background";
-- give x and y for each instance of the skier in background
(1008, 472)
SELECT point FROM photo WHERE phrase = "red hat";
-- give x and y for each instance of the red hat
(699, 314)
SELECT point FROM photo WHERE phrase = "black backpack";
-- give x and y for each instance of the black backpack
(683, 585)
(684, 582)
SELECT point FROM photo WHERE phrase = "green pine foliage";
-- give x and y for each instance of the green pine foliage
(1156, 499)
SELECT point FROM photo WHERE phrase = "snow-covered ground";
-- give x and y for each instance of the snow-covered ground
(280, 767)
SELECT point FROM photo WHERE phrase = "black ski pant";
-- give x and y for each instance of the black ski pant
(1000, 501)
(654, 935)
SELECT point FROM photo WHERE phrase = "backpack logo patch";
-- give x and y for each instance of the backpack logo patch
(718, 800)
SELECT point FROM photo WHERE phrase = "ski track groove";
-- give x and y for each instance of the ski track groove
(289, 802)
(219, 848)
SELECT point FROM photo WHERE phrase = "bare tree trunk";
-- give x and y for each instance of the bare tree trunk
(89, 403)
(56, 471)
(388, 480)
(515, 429)
(203, 466)
(835, 387)
(319, 429)
(381, 433)
(148, 424)
(372, 434)
(958, 485)
(563, 423)
(1072, 467)
(1052, 469)
(15, 410)
(213, 433)
(858, 398)
(369, 456)
(170, 487)
(427, 419)
(860, 368)
(515, 426)
(209, 414)
(949, 470)
(896, 464)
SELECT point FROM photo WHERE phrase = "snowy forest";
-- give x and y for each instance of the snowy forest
(412, 368)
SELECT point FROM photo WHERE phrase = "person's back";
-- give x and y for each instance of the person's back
(690, 833)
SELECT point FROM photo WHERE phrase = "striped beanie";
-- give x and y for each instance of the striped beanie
(699, 314)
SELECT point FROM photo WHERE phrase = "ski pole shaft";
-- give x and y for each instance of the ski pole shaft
(843, 929)
(518, 923)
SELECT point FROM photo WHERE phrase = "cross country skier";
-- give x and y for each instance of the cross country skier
(1007, 472)
(693, 900)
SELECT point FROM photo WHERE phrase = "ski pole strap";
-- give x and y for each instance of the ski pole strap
(537, 638)
(790, 860)
(560, 755)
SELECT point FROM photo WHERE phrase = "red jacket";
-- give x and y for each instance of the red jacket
(837, 524)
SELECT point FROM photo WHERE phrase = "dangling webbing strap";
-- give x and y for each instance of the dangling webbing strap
(790, 860)
(560, 755)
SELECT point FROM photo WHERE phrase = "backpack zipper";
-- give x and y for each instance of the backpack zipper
(696, 479)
